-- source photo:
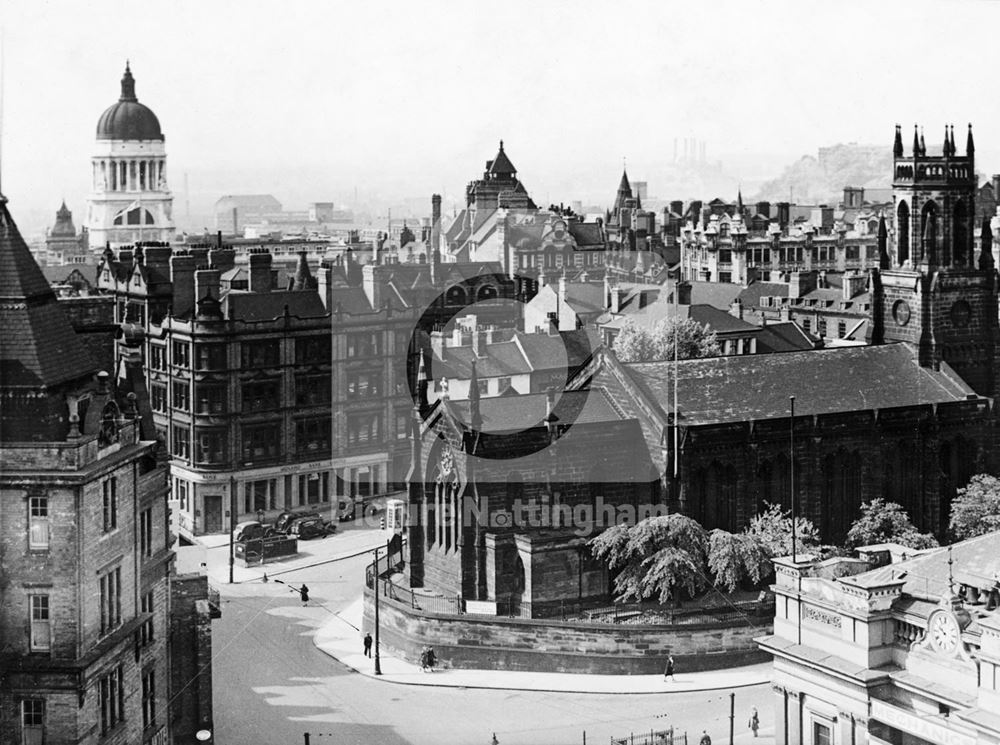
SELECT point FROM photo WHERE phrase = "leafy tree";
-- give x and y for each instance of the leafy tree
(657, 557)
(886, 522)
(638, 344)
(976, 508)
(733, 557)
(773, 529)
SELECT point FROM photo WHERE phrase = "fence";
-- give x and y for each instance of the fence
(653, 737)
(617, 613)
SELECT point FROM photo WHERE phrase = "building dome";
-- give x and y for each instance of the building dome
(128, 119)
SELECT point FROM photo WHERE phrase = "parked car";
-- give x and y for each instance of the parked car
(346, 507)
(286, 518)
(305, 528)
(249, 530)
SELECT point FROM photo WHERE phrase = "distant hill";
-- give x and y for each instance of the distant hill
(821, 179)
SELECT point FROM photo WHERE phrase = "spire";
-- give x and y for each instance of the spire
(897, 145)
(970, 146)
(128, 85)
(739, 200)
(923, 144)
(883, 241)
(475, 416)
(422, 382)
(951, 142)
(946, 148)
(916, 141)
(986, 247)
(501, 165)
(624, 192)
(303, 279)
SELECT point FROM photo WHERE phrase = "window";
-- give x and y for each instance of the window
(261, 395)
(110, 504)
(112, 698)
(853, 252)
(182, 354)
(111, 601)
(806, 324)
(146, 630)
(158, 396)
(483, 386)
(261, 442)
(312, 435)
(312, 389)
(363, 385)
(32, 721)
(822, 327)
(41, 623)
(211, 398)
(821, 734)
(362, 428)
(181, 395)
(725, 256)
(146, 532)
(503, 383)
(260, 495)
(313, 488)
(210, 446)
(211, 356)
(261, 354)
(38, 522)
(148, 698)
(402, 425)
(313, 349)
(157, 357)
(841, 329)
(363, 344)
(182, 494)
(182, 441)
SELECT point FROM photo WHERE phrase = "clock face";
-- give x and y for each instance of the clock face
(901, 312)
(960, 314)
(944, 633)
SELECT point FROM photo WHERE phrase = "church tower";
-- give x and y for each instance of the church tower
(129, 198)
(929, 290)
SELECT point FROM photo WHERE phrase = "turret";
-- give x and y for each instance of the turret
(897, 146)
(986, 247)
(970, 146)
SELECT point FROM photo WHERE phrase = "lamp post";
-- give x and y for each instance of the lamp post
(378, 660)
(232, 524)
(791, 463)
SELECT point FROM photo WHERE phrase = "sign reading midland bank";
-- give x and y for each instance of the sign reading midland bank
(928, 729)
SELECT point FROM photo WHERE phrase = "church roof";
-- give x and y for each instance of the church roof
(38, 347)
(719, 390)
(128, 119)
(501, 165)
(624, 191)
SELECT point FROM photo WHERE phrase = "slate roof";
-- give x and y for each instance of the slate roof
(733, 389)
(38, 347)
(718, 294)
(266, 306)
(586, 233)
(515, 413)
(786, 336)
(751, 295)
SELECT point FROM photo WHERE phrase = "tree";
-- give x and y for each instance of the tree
(773, 529)
(886, 522)
(639, 344)
(976, 508)
(734, 557)
(657, 557)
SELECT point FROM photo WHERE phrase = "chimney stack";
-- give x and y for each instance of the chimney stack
(206, 282)
(260, 270)
(182, 267)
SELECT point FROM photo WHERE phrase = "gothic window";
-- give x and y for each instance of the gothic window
(841, 495)
(720, 502)
(486, 292)
(962, 255)
(903, 233)
(958, 464)
(928, 230)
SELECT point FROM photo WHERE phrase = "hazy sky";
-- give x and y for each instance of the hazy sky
(308, 100)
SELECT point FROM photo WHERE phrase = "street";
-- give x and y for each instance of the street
(272, 685)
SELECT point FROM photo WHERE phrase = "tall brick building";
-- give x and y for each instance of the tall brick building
(85, 558)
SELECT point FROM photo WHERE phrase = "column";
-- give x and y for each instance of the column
(795, 703)
(780, 716)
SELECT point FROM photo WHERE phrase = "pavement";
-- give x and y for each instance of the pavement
(341, 638)
(210, 555)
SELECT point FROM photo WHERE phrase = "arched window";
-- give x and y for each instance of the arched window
(902, 234)
(962, 235)
(131, 217)
(486, 292)
(456, 296)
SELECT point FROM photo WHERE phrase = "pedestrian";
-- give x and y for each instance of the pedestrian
(304, 593)
(431, 658)
(368, 645)
(705, 739)
(669, 672)
(424, 658)
(754, 721)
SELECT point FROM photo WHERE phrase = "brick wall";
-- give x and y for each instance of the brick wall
(191, 648)
(485, 642)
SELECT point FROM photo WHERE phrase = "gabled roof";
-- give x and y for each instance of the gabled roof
(266, 306)
(752, 387)
(38, 347)
(786, 336)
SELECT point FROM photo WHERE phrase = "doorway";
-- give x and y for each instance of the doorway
(213, 513)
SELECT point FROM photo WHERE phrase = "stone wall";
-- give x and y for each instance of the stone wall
(486, 642)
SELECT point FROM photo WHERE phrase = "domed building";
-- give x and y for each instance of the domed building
(130, 200)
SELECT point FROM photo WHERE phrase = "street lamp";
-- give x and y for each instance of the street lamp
(378, 660)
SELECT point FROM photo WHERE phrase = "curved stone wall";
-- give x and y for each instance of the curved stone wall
(546, 645)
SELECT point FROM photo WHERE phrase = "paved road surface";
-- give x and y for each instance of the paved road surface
(272, 685)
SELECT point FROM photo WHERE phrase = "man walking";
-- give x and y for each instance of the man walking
(705, 739)
(368, 645)
(754, 721)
